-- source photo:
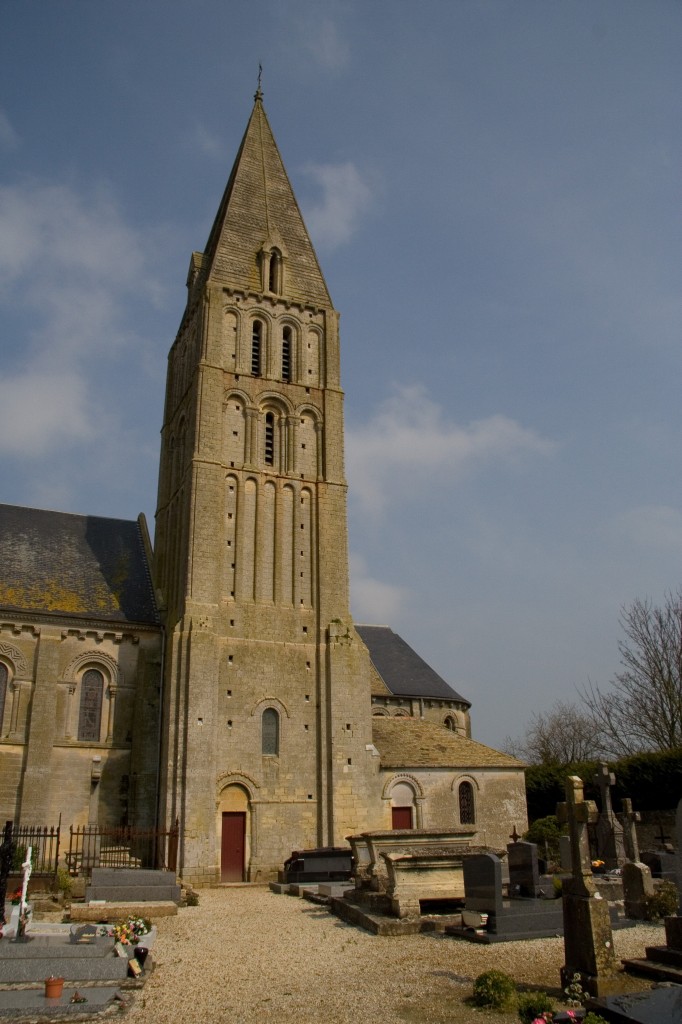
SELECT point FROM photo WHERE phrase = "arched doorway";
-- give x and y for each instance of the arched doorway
(402, 806)
(235, 814)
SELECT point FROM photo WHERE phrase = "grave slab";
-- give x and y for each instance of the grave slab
(660, 1005)
(32, 1003)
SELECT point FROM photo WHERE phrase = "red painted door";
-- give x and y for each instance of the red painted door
(401, 817)
(233, 846)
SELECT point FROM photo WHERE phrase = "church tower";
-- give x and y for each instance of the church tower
(266, 736)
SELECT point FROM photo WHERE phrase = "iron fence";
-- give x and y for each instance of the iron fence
(96, 846)
(44, 842)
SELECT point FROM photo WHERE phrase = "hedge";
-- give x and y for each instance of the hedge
(652, 781)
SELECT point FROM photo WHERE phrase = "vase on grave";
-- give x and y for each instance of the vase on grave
(53, 987)
(141, 954)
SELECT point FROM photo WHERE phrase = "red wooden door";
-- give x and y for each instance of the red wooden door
(233, 846)
(401, 817)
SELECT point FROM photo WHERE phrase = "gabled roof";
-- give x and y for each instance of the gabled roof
(415, 743)
(259, 207)
(400, 667)
(84, 566)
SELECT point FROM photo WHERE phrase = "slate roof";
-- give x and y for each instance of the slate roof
(400, 667)
(415, 743)
(64, 564)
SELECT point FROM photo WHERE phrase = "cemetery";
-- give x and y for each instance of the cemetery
(414, 883)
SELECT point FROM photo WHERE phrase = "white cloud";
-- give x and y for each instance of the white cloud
(658, 526)
(372, 601)
(41, 411)
(411, 433)
(324, 42)
(345, 199)
(69, 267)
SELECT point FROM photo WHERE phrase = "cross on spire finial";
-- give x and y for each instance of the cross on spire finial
(259, 91)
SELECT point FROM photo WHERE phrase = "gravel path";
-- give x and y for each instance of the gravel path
(246, 954)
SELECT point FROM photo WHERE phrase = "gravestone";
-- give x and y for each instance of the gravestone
(659, 1006)
(610, 844)
(629, 819)
(588, 939)
(638, 885)
(524, 874)
(483, 883)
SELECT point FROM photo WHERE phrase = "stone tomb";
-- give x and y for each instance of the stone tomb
(361, 860)
(411, 841)
(420, 876)
(328, 864)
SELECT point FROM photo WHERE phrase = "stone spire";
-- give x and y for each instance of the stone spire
(259, 212)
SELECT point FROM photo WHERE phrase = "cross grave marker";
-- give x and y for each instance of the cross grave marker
(588, 940)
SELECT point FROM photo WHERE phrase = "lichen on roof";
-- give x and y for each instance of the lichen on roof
(59, 563)
(415, 743)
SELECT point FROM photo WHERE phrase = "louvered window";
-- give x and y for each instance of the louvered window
(269, 439)
(256, 347)
(286, 354)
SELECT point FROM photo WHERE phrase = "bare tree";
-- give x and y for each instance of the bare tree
(643, 708)
(560, 736)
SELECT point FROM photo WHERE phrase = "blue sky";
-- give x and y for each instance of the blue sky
(493, 189)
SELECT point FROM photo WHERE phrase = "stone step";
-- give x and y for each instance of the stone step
(130, 894)
(664, 955)
(32, 1002)
(110, 968)
(113, 912)
(132, 878)
(654, 969)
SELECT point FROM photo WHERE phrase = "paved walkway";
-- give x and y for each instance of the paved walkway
(246, 955)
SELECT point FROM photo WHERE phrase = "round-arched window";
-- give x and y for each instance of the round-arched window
(90, 711)
(270, 733)
(467, 813)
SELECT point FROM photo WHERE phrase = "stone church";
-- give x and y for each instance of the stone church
(219, 679)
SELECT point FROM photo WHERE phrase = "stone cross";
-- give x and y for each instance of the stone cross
(7, 848)
(588, 941)
(579, 813)
(23, 906)
(629, 819)
(604, 779)
(610, 845)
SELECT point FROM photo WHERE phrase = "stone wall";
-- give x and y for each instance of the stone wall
(46, 771)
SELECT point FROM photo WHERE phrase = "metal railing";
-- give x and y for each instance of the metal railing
(44, 842)
(96, 846)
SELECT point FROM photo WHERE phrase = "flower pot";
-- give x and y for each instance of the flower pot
(53, 987)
